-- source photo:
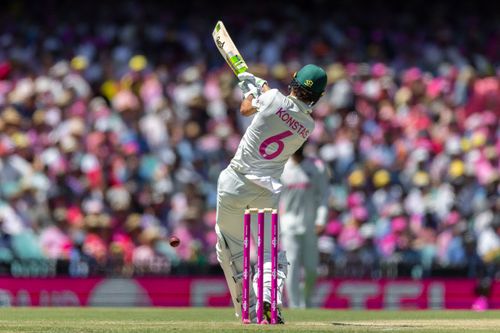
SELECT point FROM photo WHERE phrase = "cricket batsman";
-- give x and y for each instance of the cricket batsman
(280, 126)
(304, 211)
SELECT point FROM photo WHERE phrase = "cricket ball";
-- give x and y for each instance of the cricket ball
(174, 241)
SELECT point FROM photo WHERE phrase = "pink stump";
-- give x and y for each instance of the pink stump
(260, 265)
(274, 267)
(246, 268)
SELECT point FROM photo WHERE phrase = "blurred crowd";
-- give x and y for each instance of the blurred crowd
(116, 120)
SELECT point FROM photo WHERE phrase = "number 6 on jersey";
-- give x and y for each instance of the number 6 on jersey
(276, 139)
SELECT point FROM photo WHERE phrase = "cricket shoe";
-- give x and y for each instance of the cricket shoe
(267, 313)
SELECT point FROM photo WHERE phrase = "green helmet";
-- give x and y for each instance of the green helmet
(312, 79)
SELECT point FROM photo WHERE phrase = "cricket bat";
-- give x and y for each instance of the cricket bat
(228, 50)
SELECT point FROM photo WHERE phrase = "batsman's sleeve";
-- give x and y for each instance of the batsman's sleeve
(262, 102)
(321, 181)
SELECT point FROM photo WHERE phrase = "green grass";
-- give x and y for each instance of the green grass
(148, 320)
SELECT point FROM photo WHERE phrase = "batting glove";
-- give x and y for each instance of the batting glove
(249, 89)
(246, 76)
(255, 80)
(260, 82)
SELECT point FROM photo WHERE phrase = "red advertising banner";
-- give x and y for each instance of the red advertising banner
(185, 291)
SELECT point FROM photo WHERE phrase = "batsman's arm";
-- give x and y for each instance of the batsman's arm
(248, 106)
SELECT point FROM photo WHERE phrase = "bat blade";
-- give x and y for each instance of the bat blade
(228, 50)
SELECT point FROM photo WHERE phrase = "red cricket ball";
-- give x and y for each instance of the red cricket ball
(174, 241)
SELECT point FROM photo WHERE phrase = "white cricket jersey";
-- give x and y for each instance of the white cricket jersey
(278, 129)
(304, 199)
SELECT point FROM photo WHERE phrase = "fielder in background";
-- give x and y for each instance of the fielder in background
(280, 126)
(303, 215)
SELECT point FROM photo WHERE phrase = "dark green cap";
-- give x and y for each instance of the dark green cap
(312, 78)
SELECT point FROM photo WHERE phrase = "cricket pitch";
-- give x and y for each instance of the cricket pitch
(155, 320)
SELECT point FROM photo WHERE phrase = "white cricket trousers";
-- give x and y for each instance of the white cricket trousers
(303, 256)
(235, 193)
